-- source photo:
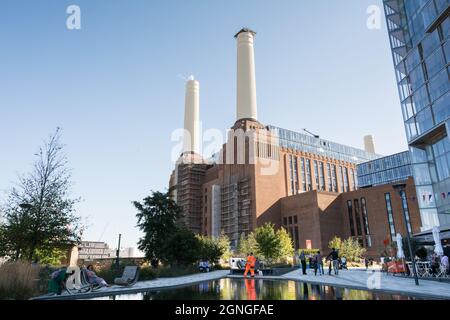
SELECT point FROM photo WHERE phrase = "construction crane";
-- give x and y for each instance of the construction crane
(312, 134)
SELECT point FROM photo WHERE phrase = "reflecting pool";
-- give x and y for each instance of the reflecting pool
(258, 289)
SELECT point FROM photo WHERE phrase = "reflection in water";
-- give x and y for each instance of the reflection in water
(251, 289)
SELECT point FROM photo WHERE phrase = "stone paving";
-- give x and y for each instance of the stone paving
(376, 281)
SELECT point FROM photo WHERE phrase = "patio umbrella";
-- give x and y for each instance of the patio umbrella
(400, 253)
(437, 242)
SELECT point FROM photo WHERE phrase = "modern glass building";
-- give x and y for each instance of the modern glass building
(390, 169)
(419, 31)
(302, 142)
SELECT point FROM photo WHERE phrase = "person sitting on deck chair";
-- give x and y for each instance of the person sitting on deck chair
(58, 281)
(250, 265)
(93, 278)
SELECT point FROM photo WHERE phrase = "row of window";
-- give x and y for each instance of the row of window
(304, 143)
(319, 176)
(359, 228)
(390, 214)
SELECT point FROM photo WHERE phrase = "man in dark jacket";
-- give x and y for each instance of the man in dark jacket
(334, 257)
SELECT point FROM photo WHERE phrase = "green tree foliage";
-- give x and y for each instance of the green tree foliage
(210, 249)
(159, 218)
(273, 245)
(224, 244)
(266, 242)
(247, 245)
(349, 248)
(39, 213)
(181, 248)
(286, 245)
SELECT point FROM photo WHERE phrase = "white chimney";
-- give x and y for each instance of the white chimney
(192, 117)
(246, 81)
(369, 146)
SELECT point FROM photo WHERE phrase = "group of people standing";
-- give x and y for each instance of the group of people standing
(316, 262)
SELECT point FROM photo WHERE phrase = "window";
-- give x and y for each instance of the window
(316, 174)
(330, 182)
(366, 221)
(346, 184)
(285, 221)
(302, 164)
(322, 176)
(350, 217)
(295, 220)
(406, 211)
(390, 216)
(290, 220)
(358, 218)
(291, 167)
(308, 174)
(341, 172)
(296, 185)
(334, 178)
(355, 180)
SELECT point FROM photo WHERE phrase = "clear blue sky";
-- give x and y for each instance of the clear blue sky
(114, 86)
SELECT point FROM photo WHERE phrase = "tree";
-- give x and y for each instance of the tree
(268, 242)
(210, 249)
(247, 245)
(39, 212)
(335, 243)
(224, 244)
(286, 245)
(349, 248)
(159, 218)
(181, 248)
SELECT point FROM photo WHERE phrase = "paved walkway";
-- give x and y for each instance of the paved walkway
(376, 281)
(143, 286)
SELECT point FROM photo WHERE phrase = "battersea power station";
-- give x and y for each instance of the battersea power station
(298, 181)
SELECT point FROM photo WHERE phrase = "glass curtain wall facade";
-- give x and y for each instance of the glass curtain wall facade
(419, 31)
(390, 169)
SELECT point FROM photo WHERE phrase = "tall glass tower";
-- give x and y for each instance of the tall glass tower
(419, 32)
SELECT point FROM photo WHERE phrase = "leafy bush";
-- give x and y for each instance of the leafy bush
(18, 280)
(147, 273)
(176, 271)
(350, 248)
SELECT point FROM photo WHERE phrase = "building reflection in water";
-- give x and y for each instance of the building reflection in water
(257, 289)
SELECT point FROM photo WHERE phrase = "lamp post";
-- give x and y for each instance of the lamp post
(118, 252)
(400, 188)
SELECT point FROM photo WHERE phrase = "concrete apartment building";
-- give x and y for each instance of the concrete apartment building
(268, 174)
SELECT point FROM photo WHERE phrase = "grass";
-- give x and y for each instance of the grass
(18, 281)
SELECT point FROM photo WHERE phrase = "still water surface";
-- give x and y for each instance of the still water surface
(257, 289)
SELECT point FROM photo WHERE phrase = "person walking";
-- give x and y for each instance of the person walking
(303, 262)
(250, 265)
(334, 256)
(319, 263)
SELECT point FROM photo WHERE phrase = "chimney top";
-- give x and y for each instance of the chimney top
(245, 30)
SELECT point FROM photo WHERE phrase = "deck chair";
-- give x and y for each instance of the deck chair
(129, 277)
(74, 284)
(86, 285)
